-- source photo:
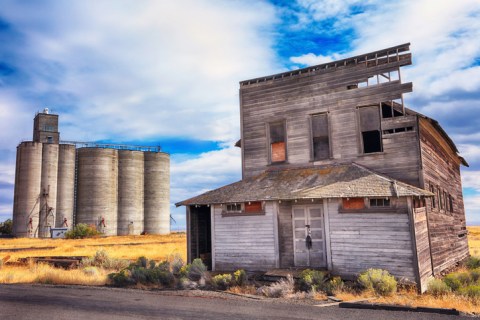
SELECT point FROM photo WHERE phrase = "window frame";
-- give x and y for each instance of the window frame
(360, 132)
(269, 141)
(312, 144)
(242, 212)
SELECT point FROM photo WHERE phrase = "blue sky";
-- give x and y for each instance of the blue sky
(164, 72)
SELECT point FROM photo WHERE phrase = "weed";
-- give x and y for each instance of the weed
(311, 280)
(222, 281)
(378, 280)
(438, 288)
(473, 262)
(101, 259)
(240, 277)
(91, 271)
(333, 286)
(280, 289)
(177, 264)
(472, 292)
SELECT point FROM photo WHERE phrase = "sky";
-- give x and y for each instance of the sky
(167, 73)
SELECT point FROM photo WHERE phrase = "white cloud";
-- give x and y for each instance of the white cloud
(472, 209)
(471, 179)
(146, 69)
(311, 59)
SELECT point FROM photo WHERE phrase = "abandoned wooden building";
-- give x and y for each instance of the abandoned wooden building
(337, 174)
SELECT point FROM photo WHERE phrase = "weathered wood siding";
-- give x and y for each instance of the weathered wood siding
(247, 242)
(293, 99)
(285, 234)
(371, 240)
(441, 168)
(423, 247)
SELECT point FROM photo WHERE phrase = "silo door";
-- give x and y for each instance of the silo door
(309, 236)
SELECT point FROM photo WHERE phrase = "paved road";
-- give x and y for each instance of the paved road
(22, 302)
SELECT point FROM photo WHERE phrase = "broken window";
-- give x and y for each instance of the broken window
(370, 129)
(278, 147)
(392, 108)
(320, 137)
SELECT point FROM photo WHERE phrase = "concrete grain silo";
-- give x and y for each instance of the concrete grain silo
(28, 177)
(65, 186)
(157, 193)
(97, 189)
(48, 189)
(119, 189)
(130, 192)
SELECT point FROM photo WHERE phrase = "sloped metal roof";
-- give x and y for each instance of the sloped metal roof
(319, 182)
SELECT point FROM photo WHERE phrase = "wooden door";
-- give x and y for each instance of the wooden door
(308, 220)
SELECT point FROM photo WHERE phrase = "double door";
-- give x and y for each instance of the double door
(309, 236)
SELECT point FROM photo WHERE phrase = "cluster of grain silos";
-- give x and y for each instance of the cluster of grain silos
(120, 190)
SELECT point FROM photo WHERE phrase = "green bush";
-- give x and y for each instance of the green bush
(458, 280)
(138, 272)
(333, 286)
(473, 262)
(471, 291)
(475, 274)
(311, 280)
(378, 280)
(81, 231)
(437, 288)
(222, 281)
(103, 260)
(196, 270)
(6, 227)
(240, 277)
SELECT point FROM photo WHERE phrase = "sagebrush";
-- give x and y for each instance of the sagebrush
(378, 280)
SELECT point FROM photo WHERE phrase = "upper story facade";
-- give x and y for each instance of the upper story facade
(349, 110)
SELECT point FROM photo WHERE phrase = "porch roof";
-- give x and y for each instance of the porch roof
(319, 182)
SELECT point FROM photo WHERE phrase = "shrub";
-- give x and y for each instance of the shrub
(472, 291)
(280, 289)
(473, 262)
(311, 280)
(458, 280)
(177, 264)
(437, 288)
(378, 280)
(103, 260)
(222, 281)
(333, 286)
(240, 277)
(122, 278)
(81, 231)
(475, 274)
(196, 270)
(142, 262)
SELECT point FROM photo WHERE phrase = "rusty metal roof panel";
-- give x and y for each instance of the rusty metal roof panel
(319, 182)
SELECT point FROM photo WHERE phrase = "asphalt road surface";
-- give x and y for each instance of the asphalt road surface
(22, 302)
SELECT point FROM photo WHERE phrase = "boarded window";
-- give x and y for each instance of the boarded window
(278, 150)
(252, 207)
(370, 129)
(353, 203)
(320, 137)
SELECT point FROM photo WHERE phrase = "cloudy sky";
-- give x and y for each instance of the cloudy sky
(166, 72)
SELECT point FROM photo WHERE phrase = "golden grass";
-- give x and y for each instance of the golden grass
(43, 273)
(156, 247)
(474, 240)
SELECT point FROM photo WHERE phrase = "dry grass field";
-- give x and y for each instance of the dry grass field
(153, 247)
(161, 248)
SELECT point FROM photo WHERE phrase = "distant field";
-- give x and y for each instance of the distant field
(474, 240)
(154, 247)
